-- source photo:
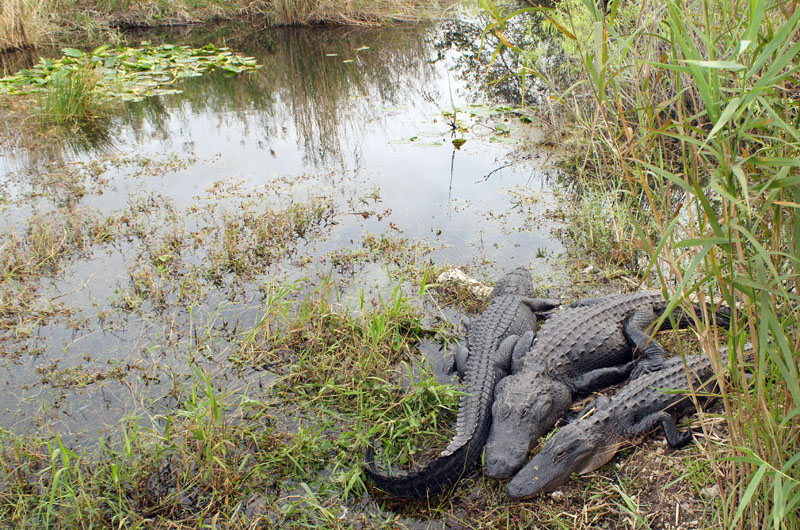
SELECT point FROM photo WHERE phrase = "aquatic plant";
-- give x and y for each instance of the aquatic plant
(129, 74)
(71, 97)
(695, 107)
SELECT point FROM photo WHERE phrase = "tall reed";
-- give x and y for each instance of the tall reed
(24, 23)
(694, 104)
(288, 12)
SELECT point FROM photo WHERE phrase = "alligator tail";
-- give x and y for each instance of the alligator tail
(722, 316)
(436, 477)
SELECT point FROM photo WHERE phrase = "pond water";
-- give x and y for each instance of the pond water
(348, 130)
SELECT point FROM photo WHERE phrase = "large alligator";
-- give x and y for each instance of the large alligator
(589, 442)
(579, 349)
(491, 340)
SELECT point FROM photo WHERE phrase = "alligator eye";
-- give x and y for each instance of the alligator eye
(503, 410)
(560, 454)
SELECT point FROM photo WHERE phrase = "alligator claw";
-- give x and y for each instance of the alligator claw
(646, 366)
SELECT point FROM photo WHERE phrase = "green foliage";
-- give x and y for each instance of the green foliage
(71, 97)
(697, 112)
(127, 74)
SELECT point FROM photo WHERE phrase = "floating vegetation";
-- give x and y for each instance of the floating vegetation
(129, 74)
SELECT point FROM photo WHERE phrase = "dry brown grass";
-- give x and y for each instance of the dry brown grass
(290, 12)
(30, 23)
(24, 23)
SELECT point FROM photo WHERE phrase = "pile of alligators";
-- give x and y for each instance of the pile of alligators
(517, 383)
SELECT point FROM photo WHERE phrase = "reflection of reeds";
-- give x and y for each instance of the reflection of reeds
(325, 96)
(301, 84)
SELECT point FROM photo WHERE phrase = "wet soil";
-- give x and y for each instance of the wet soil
(134, 258)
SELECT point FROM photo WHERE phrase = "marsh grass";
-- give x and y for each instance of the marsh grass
(223, 455)
(24, 23)
(359, 12)
(694, 105)
(71, 99)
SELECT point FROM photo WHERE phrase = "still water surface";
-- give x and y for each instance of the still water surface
(359, 121)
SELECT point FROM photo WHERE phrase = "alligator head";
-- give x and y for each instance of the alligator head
(518, 282)
(524, 409)
(578, 447)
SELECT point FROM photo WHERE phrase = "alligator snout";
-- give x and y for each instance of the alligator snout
(496, 467)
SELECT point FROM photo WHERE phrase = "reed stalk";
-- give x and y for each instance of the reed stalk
(694, 104)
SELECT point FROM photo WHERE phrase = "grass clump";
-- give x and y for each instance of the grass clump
(694, 106)
(72, 98)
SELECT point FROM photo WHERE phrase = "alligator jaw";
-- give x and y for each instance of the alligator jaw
(524, 409)
(579, 447)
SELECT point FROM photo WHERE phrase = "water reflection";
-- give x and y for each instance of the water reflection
(325, 119)
(319, 86)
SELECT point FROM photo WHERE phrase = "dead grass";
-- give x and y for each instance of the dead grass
(24, 23)
(31, 23)
(290, 12)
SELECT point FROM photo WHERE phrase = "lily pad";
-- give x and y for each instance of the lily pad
(502, 128)
(404, 140)
(127, 73)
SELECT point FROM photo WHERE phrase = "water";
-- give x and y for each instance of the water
(356, 122)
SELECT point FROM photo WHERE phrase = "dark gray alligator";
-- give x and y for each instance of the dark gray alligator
(587, 443)
(490, 343)
(579, 349)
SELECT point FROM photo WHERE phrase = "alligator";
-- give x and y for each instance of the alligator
(591, 441)
(579, 349)
(491, 342)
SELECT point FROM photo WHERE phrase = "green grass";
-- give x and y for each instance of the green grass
(71, 98)
(220, 457)
(693, 105)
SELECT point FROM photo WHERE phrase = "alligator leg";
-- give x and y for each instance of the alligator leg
(460, 355)
(641, 340)
(583, 302)
(502, 356)
(521, 349)
(674, 438)
(541, 307)
(602, 377)
(597, 403)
